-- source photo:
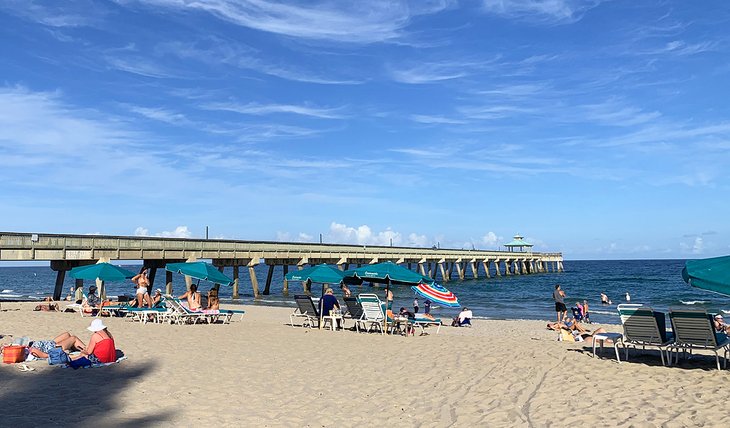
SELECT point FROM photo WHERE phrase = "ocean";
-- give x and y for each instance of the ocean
(654, 282)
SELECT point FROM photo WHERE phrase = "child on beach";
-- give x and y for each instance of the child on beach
(415, 306)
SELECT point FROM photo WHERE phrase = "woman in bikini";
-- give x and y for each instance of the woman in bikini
(142, 283)
(101, 348)
(193, 298)
(213, 302)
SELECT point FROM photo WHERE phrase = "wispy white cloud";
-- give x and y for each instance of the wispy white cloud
(543, 11)
(264, 109)
(56, 14)
(349, 22)
(433, 72)
(436, 120)
(140, 66)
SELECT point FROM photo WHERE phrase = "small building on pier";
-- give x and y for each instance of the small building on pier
(518, 244)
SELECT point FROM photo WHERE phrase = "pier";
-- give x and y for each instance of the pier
(65, 252)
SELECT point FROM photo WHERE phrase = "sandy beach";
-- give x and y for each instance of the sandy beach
(262, 372)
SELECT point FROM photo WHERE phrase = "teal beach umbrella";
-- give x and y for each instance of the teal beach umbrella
(709, 274)
(101, 271)
(387, 273)
(201, 271)
(323, 273)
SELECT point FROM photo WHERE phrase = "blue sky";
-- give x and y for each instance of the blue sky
(595, 128)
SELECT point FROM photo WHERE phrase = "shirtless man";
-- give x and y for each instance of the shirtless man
(143, 284)
(193, 298)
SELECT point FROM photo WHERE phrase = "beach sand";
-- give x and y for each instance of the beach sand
(262, 372)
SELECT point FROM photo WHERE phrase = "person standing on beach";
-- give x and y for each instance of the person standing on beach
(559, 298)
(415, 305)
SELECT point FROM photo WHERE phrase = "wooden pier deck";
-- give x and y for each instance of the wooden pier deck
(68, 251)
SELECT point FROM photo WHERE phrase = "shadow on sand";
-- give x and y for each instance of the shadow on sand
(63, 396)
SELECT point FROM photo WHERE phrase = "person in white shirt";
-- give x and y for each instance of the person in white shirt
(464, 318)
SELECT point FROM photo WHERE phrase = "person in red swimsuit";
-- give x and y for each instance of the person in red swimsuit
(101, 347)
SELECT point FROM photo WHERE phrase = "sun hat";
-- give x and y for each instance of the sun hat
(96, 325)
(718, 316)
(158, 291)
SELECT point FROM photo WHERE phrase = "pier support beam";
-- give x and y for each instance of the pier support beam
(168, 283)
(269, 275)
(254, 280)
(508, 267)
(60, 277)
(460, 269)
(496, 265)
(421, 269)
(285, 290)
(560, 266)
(474, 269)
(444, 276)
(485, 262)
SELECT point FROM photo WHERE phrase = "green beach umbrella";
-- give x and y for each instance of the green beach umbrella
(101, 271)
(709, 274)
(324, 274)
(200, 270)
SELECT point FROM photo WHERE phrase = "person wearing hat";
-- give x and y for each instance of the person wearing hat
(101, 347)
(92, 301)
(720, 325)
(157, 298)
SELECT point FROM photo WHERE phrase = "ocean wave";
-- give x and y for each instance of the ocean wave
(591, 311)
(693, 302)
(6, 291)
(725, 311)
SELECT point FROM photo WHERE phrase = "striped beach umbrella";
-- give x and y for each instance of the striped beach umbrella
(437, 294)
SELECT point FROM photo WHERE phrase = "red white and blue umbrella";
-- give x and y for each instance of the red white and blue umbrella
(437, 294)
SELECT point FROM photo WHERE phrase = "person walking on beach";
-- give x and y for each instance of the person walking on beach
(415, 305)
(559, 298)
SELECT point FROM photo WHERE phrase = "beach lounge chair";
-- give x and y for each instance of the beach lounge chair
(228, 314)
(646, 328)
(372, 311)
(423, 322)
(693, 329)
(181, 314)
(354, 311)
(306, 309)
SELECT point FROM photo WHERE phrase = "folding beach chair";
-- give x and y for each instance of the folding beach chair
(306, 309)
(645, 327)
(372, 311)
(354, 311)
(693, 329)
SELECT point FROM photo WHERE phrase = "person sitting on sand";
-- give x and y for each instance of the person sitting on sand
(101, 348)
(142, 283)
(48, 306)
(67, 341)
(193, 298)
(463, 319)
(587, 337)
(569, 324)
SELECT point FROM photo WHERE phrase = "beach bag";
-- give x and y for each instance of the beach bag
(14, 354)
(57, 356)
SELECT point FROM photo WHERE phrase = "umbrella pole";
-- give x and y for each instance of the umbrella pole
(385, 315)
